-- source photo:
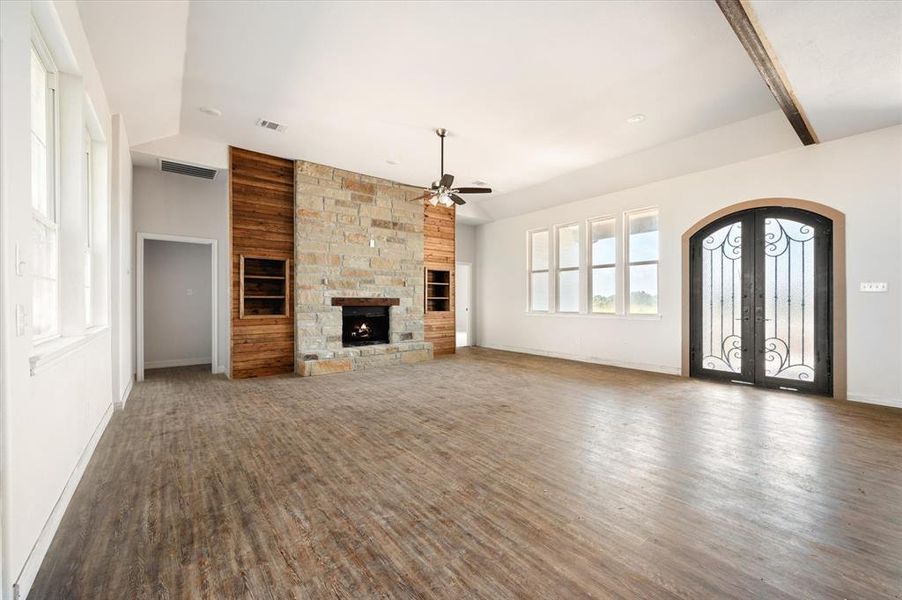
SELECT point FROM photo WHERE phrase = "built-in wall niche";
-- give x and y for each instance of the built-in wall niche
(438, 290)
(264, 287)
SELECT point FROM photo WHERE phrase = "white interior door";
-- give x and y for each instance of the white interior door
(462, 303)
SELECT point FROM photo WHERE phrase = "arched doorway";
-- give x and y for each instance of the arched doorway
(761, 298)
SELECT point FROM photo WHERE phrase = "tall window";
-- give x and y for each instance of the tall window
(45, 293)
(538, 270)
(603, 259)
(642, 253)
(567, 265)
(89, 231)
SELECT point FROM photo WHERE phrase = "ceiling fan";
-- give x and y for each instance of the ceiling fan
(441, 192)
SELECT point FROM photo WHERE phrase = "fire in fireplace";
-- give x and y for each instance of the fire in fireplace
(364, 325)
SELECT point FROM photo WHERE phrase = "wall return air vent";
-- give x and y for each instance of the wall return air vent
(170, 166)
(271, 125)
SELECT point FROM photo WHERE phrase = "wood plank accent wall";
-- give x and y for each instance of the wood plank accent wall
(439, 252)
(261, 203)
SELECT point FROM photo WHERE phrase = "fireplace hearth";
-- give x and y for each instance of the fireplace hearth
(364, 325)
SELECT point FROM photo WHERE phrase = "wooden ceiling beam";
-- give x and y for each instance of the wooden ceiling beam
(754, 42)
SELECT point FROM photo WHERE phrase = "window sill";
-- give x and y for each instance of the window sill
(52, 351)
(571, 315)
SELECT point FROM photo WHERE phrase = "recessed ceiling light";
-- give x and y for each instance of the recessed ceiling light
(392, 161)
(636, 118)
(209, 110)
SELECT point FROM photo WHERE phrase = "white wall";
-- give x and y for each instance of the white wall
(53, 417)
(122, 261)
(860, 176)
(177, 310)
(174, 204)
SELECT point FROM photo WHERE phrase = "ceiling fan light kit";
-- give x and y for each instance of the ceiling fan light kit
(441, 192)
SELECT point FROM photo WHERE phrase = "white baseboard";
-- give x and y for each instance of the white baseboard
(588, 359)
(871, 399)
(120, 404)
(177, 362)
(33, 563)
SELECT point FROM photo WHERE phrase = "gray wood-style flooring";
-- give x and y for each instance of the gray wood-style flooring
(483, 475)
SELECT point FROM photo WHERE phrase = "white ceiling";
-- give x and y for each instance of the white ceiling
(531, 91)
(139, 48)
(843, 60)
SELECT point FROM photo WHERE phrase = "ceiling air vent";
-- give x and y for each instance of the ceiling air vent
(170, 166)
(271, 125)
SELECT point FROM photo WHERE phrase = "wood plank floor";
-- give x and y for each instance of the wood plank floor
(483, 475)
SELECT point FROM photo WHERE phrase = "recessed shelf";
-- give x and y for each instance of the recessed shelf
(263, 287)
(438, 290)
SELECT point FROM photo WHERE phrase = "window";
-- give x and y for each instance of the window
(538, 270)
(567, 268)
(88, 198)
(45, 291)
(603, 264)
(642, 253)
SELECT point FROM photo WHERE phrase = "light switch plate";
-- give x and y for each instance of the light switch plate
(21, 320)
(873, 286)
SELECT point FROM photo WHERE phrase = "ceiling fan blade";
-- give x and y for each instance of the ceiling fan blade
(457, 199)
(423, 197)
(447, 180)
(466, 190)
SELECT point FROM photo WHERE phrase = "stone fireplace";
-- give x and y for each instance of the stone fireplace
(358, 257)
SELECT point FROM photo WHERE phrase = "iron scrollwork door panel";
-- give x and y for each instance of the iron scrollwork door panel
(721, 303)
(793, 297)
(760, 299)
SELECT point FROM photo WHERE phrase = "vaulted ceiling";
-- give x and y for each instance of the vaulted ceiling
(531, 91)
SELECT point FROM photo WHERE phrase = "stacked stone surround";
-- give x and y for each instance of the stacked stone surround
(337, 213)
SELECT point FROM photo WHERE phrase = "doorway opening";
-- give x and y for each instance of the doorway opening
(176, 302)
(463, 292)
(761, 299)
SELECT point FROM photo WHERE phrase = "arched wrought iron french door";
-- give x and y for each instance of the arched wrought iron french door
(761, 299)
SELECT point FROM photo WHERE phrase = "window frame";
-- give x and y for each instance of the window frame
(50, 221)
(530, 270)
(628, 263)
(591, 266)
(558, 269)
(88, 199)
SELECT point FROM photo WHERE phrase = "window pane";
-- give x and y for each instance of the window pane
(568, 246)
(603, 290)
(44, 290)
(39, 196)
(643, 237)
(38, 98)
(644, 289)
(538, 291)
(603, 243)
(722, 299)
(539, 249)
(789, 276)
(568, 291)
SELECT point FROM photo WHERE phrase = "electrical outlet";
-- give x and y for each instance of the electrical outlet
(873, 286)
(189, 292)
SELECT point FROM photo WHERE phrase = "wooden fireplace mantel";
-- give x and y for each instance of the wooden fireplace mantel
(366, 301)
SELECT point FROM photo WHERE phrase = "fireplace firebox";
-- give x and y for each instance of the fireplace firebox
(364, 325)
